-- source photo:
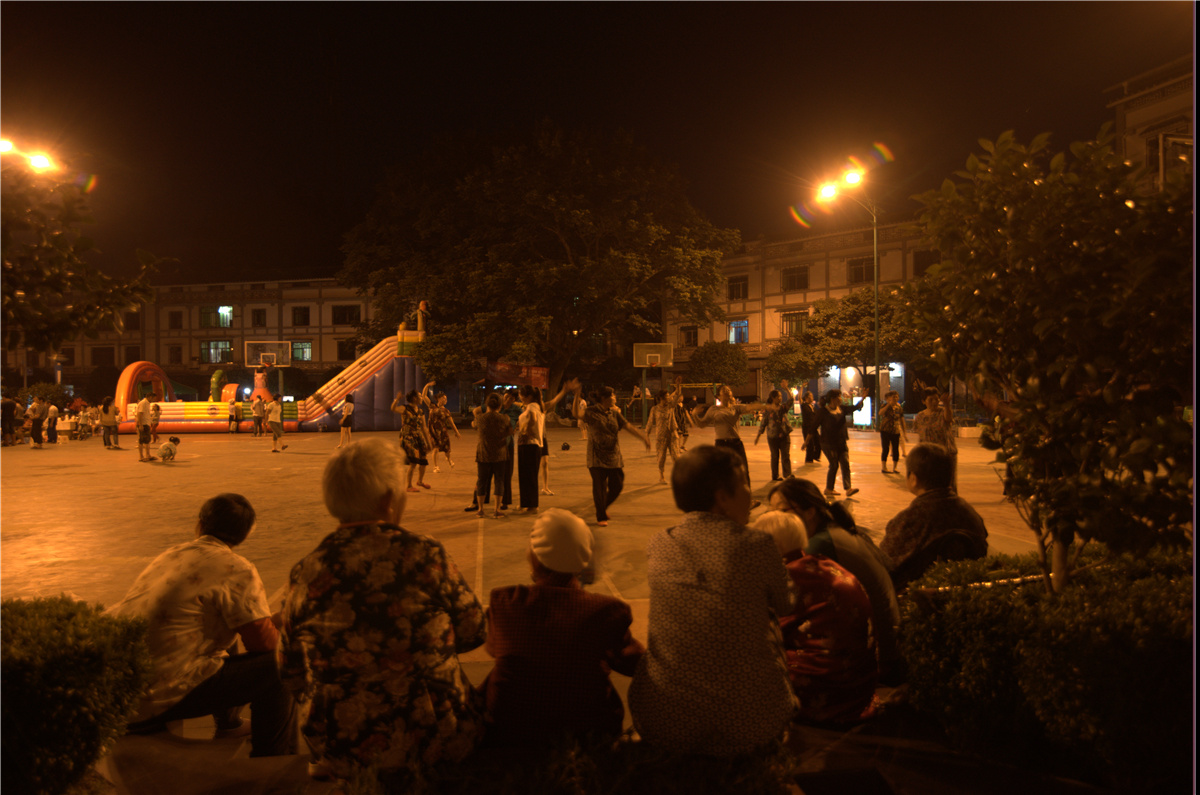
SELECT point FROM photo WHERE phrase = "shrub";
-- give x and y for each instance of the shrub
(1091, 679)
(70, 677)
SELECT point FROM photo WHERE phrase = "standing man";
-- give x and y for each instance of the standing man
(51, 423)
(935, 425)
(808, 426)
(257, 410)
(142, 419)
(37, 418)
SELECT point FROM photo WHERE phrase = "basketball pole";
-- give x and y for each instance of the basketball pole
(645, 418)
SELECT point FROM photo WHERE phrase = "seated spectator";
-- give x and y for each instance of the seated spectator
(199, 597)
(554, 645)
(827, 638)
(373, 622)
(915, 534)
(714, 679)
(833, 533)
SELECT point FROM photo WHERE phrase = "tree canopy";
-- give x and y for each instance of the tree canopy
(841, 332)
(527, 251)
(719, 363)
(1064, 298)
(50, 294)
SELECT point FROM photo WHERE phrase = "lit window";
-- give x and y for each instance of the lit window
(739, 331)
(216, 316)
(302, 351)
(792, 324)
(216, 351)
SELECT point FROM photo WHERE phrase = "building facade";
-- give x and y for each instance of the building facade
(770, 288)
(199, 328)
(1155, 116)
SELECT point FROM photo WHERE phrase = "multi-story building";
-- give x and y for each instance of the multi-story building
(199, 328)
(770, 287)
(1155, 115)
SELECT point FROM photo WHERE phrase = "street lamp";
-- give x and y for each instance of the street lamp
(830, 191)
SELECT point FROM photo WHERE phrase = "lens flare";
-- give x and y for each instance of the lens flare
(881, 154)
(798, 215)
(86, 182)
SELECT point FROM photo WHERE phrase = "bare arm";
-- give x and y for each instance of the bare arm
(633, 429)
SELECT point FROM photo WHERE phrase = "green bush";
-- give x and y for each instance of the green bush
(70, 678)
(1087, 682)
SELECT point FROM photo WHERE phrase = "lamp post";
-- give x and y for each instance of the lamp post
(829, 192)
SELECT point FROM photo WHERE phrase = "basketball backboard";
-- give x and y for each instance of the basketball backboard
(273, 353)
(653, 354)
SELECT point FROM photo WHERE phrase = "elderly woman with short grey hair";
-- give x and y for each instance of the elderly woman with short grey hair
(374, 620)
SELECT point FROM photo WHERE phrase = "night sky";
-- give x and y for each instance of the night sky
(245, 139)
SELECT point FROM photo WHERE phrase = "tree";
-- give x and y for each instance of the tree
(719, 363)
(841, 332)
(1064, 299)
(790, 360)
(50, 295)
(527, 251)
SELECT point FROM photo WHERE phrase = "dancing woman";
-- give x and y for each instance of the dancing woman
(414, 436)
(347, 422)
(779, 433)
(531, 430)
(604, 461)
(724, 419)
(664, 418)
(440, 425)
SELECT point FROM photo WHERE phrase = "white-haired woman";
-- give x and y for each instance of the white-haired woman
(374, 619)
(827, 638)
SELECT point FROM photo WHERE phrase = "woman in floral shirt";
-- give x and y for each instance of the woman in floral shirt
(373, 622)
(440, 425)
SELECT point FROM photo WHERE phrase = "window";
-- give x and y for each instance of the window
(347, 351)
(739, 331)
(689, 336)
(216, 316)
(346, 315)
(216, 351)
(133, 321)
(923, 260)
(104, 356)
(67, 357)
(860, 270)
(299, 316)
(174, 354)
(175, 319)
(795, 279)
(258, 318)
(133, 353)
(739, 288)
(792, 324)
(302, 351)
(258, 286)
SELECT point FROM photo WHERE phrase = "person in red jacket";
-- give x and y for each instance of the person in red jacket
(555, 644)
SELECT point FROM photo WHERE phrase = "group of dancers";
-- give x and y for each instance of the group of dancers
(511, 437)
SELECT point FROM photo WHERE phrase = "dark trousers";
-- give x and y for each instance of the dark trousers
(36, 430)
(740, 450)
(892, 440)
(837, 458)
(244, 679)
(110, 435)
(488, 472)
(529, 457)
(606, 487)
(52, 431)
(812, 449)
(780, 449)
(508, 473)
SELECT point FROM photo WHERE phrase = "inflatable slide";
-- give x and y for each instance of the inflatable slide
(375, 378)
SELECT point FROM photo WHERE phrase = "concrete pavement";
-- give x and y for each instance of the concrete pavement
(79, 519)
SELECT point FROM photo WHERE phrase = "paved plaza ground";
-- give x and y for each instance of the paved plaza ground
(79, 519)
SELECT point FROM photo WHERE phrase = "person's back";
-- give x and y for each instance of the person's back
(713, 680)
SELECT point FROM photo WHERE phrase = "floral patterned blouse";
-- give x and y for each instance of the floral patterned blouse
(439, 428)
(373, 621)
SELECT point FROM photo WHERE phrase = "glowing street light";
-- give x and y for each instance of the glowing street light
(37, 161)
(830, 191)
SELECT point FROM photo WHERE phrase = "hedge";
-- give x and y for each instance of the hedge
(70, 679)
(1094, 682)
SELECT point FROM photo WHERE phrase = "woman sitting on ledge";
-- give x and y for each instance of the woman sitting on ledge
(373, 623)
